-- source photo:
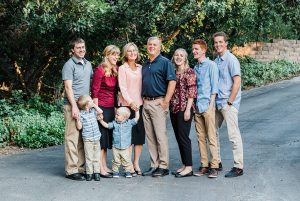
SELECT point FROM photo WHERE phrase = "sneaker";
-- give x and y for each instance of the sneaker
(235, 172)
(202, 171)
(115, 175)
(218, 169)
(213, 173)
(128, 175)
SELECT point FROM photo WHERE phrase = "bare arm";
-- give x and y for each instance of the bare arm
(70, 96)
(137, 115)
(187, 112)
(78, 124)
(103, 123)
(170, 91)
(235, 88)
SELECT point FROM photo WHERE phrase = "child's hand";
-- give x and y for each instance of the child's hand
(100, 116)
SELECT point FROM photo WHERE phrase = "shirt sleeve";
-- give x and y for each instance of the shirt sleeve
(132, 122)
(67, 72)
(110, 125)
(96, 82)
(214, 77)
(234, 67)
(171, 75)
(191, 84)
(122, 78)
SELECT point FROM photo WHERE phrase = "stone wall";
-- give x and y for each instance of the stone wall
(265, 52)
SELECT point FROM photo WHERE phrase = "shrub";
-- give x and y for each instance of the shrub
(256, 73)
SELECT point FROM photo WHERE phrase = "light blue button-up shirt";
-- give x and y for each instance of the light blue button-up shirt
(122, 133)
(228, 66)
(207, 83)
(90, 129)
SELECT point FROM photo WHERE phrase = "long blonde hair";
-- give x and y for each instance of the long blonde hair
(110, 50)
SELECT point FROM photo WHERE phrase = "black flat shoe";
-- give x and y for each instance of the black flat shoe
(75, 176)
(174, 172)
(149, 172)
(178, 175)
(106, 175)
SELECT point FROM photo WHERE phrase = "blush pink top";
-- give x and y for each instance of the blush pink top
(130, 83)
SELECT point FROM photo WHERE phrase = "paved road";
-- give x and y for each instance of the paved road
(269, 122)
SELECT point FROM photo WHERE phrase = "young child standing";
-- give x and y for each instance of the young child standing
(122, 127)
(91, 135)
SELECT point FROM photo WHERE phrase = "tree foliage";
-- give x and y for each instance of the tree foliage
(35, 33)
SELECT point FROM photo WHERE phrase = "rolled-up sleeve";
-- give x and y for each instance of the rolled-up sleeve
(122, 78)
(214, 77)
(191, 84)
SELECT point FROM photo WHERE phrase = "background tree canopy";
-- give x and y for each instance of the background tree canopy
(35, 33)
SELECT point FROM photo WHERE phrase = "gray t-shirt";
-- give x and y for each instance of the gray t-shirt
(80, 74)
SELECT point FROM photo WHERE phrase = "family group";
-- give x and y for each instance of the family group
(120, 108)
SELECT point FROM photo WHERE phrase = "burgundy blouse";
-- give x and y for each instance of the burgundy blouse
(185, 88)
(104, 88)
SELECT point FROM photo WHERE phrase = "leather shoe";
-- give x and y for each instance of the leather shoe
(160, 172)
(149, 172)
(106, 175)
(89, 177)
(174, 172)
(75, 176)
(97, 177)
(178, 175)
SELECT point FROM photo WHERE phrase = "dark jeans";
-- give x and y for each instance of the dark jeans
(182, 131)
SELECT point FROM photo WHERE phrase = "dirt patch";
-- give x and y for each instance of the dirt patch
(9, 150)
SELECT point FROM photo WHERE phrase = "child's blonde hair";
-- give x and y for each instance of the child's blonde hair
(83, 101)
(124, 111)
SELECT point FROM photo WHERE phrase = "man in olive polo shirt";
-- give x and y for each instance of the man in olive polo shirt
(158, 85)
(76, 75)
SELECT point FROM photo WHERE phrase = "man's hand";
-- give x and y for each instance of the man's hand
(164, 104)
(75, 112)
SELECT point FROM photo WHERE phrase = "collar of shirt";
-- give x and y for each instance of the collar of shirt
(202, 62)
(77, 61)
(156, 58)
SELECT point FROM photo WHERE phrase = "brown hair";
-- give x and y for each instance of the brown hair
(221, 34)
(76, 41)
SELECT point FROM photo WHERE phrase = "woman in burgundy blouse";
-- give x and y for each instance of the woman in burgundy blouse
(104, 90)
(181, 110)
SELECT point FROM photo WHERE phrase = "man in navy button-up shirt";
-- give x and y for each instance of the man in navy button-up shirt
(158, 85)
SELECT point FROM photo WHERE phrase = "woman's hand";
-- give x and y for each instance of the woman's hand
(187, 115)
(134, 106)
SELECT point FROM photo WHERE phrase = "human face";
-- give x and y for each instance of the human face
(119, 117)
(113, 58)
(179, 58)
(220, 45)
(153, 48)
(198, 52)
(79, 50)
(131, 53)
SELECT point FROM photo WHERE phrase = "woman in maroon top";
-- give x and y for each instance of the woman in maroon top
(104, 90)
(181, 110)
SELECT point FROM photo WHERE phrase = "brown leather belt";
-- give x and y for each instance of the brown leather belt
(152, 98)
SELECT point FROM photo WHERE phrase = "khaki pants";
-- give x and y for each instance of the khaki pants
(121, 157)
(206, 131)
(155, 122)
(92, 156)
(74, 153)
(230, 115)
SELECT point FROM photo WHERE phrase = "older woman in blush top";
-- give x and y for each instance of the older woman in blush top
(130, 83)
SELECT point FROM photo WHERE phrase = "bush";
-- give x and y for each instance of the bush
(256, 73)
(34, 124)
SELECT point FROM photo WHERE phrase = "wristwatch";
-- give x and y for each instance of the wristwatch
(229, 103)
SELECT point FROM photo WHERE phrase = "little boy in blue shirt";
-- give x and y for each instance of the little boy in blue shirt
(122, 127)
(90, 135)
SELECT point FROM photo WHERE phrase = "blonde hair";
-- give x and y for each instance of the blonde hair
(109, 50)
(186, 61)
(125, 49)
(124, 111)
(83, 101)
